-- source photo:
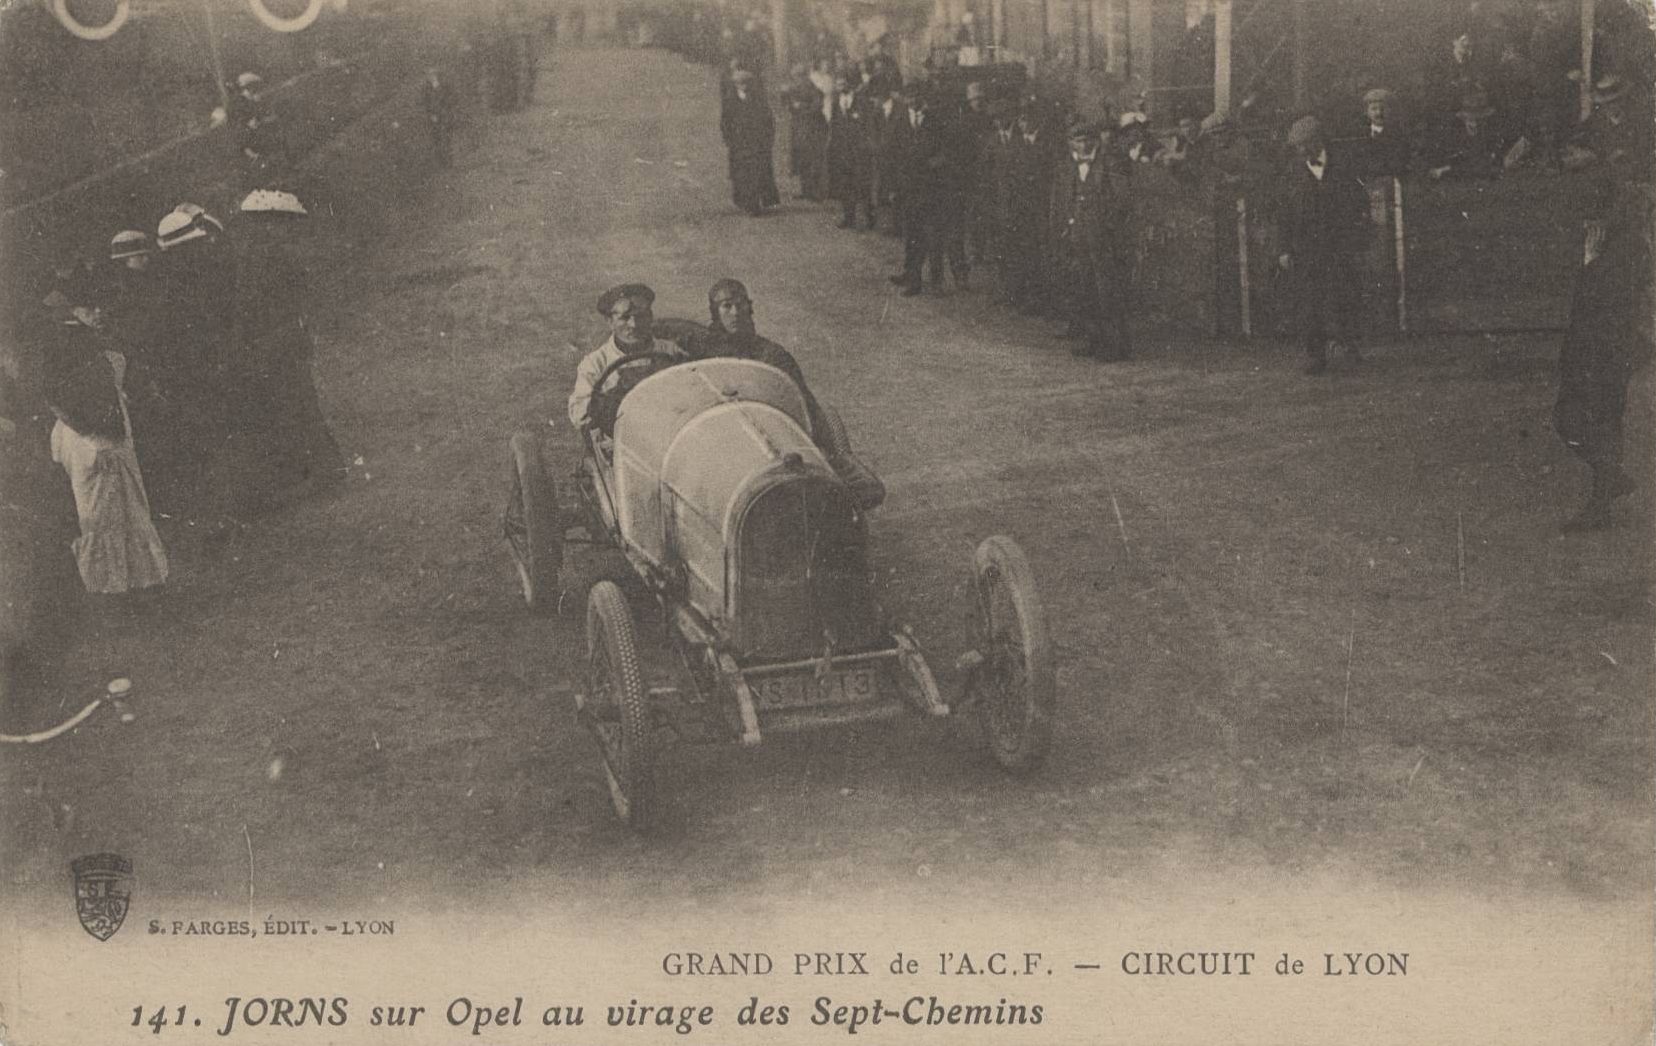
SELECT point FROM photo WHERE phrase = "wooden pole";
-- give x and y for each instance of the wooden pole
(218, 59)
(1242, 265)
(1302, 94)
(1222, 57)
(1402, 256)
(1586, 58)
(1141, 41)
(779, 38)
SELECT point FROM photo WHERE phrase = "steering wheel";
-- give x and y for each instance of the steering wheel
(605, 404)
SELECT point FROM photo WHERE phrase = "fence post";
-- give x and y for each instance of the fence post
(1222, 57)
(1242, 266)
(1586, 87)
(1402, 257)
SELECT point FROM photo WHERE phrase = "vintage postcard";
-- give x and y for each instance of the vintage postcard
(552, 522)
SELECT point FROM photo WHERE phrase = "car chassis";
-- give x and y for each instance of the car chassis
(777, 631)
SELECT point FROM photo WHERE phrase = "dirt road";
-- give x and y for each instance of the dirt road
(1301, 624)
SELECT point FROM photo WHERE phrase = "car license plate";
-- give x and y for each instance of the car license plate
(802, 689)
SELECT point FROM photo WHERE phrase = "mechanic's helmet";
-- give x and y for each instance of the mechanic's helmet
(184, 223)
(273, 202)
(128, 243)
(724, 292)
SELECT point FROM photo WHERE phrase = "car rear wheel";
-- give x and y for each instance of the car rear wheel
(620, 706)
(532, 526)
(1014, 685)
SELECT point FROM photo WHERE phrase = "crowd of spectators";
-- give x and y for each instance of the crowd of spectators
(974, 168)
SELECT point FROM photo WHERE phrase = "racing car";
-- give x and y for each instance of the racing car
(752, 549)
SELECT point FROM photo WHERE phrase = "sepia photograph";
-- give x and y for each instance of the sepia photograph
(994, 522)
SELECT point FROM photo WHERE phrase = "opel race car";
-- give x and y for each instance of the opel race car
(753, 549)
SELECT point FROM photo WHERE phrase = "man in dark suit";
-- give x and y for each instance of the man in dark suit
(1036, 149)
(920, 150)
(1611, 328)
(977, 123)
(807, 134)
(1093, 243)
(749, 131)
(999, 160)
(886, 109)
(1381, 148)
(1323, 227)
(850, 154)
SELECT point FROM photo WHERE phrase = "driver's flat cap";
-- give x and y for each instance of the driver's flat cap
(607, 300)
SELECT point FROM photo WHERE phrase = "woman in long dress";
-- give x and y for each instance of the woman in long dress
(118, 549)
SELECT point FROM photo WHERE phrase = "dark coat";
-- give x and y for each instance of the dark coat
(749, 132)
(806, 132)
(918, 157)
(1323, 228)
(1379, 155)
(882, 140)
(1091, 230)
(1033, 167)
(850, 151)
(1000, 176)
(1611, 330)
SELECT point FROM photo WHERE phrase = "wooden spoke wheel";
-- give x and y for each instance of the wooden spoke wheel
(1014, 684)
(620, 706)
(532, 525)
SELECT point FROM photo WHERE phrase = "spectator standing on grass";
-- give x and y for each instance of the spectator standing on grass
(1610, 332)
(281, 442)
(922, 143)
(118, 550)
(1322, 212)
(807, 134)
(1037, 149)
(749, 132)
(195, 330)
(999, 159)
(850, 154)
(131, 310)
(887, 111)
(1093, 240)
(976, 127)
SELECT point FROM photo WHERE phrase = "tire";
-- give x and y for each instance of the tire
(620, 706)
(532, 525)
(835, 439)
(1016, 686)
(60, 11)
(301, 21)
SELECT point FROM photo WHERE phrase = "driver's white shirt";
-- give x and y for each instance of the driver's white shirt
(593, 364)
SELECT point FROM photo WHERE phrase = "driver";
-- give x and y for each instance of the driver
(628, 308)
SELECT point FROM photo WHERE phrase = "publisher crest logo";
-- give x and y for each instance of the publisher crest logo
(103, 889)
